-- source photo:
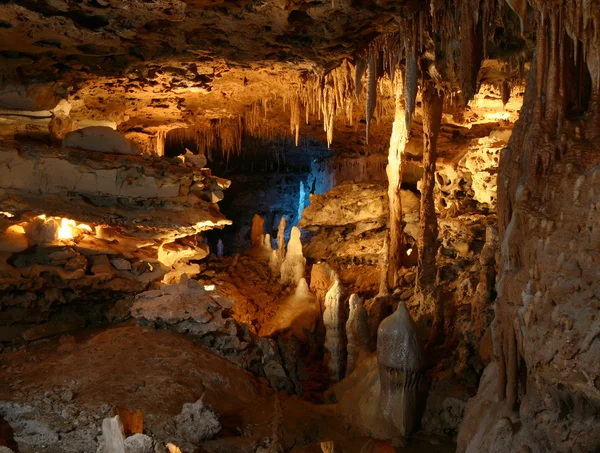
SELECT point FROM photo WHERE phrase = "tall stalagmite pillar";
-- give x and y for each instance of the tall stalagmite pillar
(428, 232)
(394, 171)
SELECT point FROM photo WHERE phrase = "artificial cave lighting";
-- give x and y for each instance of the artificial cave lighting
(299, 226)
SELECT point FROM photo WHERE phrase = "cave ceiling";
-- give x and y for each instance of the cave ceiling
(150, 66)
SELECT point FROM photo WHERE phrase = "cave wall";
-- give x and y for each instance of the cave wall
(546, 395)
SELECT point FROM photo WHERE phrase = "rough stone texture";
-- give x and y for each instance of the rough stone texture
(135, 220)
(546, 326)
(42, 412)
(197, 422)
(347, 203)
(204, 315)
(349, 221)
(84, 185)
(489, 425)
(139, 443)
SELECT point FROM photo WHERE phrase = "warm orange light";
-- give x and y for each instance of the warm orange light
(16, 229)
(6, 214)
(66, 229)
(84, 227)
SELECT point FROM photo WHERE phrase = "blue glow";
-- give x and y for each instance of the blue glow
(301, 201)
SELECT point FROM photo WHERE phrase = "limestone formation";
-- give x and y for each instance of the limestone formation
(350, 220)
(139, 443)
(205, 316)
(334, 318)
(322, 278)
(397, 118)
(401, 362)
(100, 138)
(196, 422)
(293, 266)
(257, 234)
(357, 332)
(281, 239)
(112, 435)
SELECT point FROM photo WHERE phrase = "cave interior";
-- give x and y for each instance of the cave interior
(359, 226)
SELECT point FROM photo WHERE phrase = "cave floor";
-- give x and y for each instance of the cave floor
(58, 390)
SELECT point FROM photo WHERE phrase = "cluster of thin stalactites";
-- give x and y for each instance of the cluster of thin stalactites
(364, 88)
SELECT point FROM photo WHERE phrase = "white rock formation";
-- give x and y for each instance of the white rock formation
(357, 332)
(139, 443)
(400, 360)
(292, 268)
(102, 139)
(112, 435)
(334, 318)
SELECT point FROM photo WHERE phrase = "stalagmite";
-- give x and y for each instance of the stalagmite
(400, 360)
(357, 332)
(322, 277)
(281, 238)
(487, 280)
(427, 240)
(257, 234)
(267, 243)
(335, 338)
(292, 268)
(220, 248)
(275, 264)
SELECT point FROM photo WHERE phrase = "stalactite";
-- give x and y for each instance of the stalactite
(471, 49)
(410, 83)
(159, 144)
(295, 108)
(505, 92)
(519, 7)
(552, 102)
(371, 90)
(360, 68)
(541, 61)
